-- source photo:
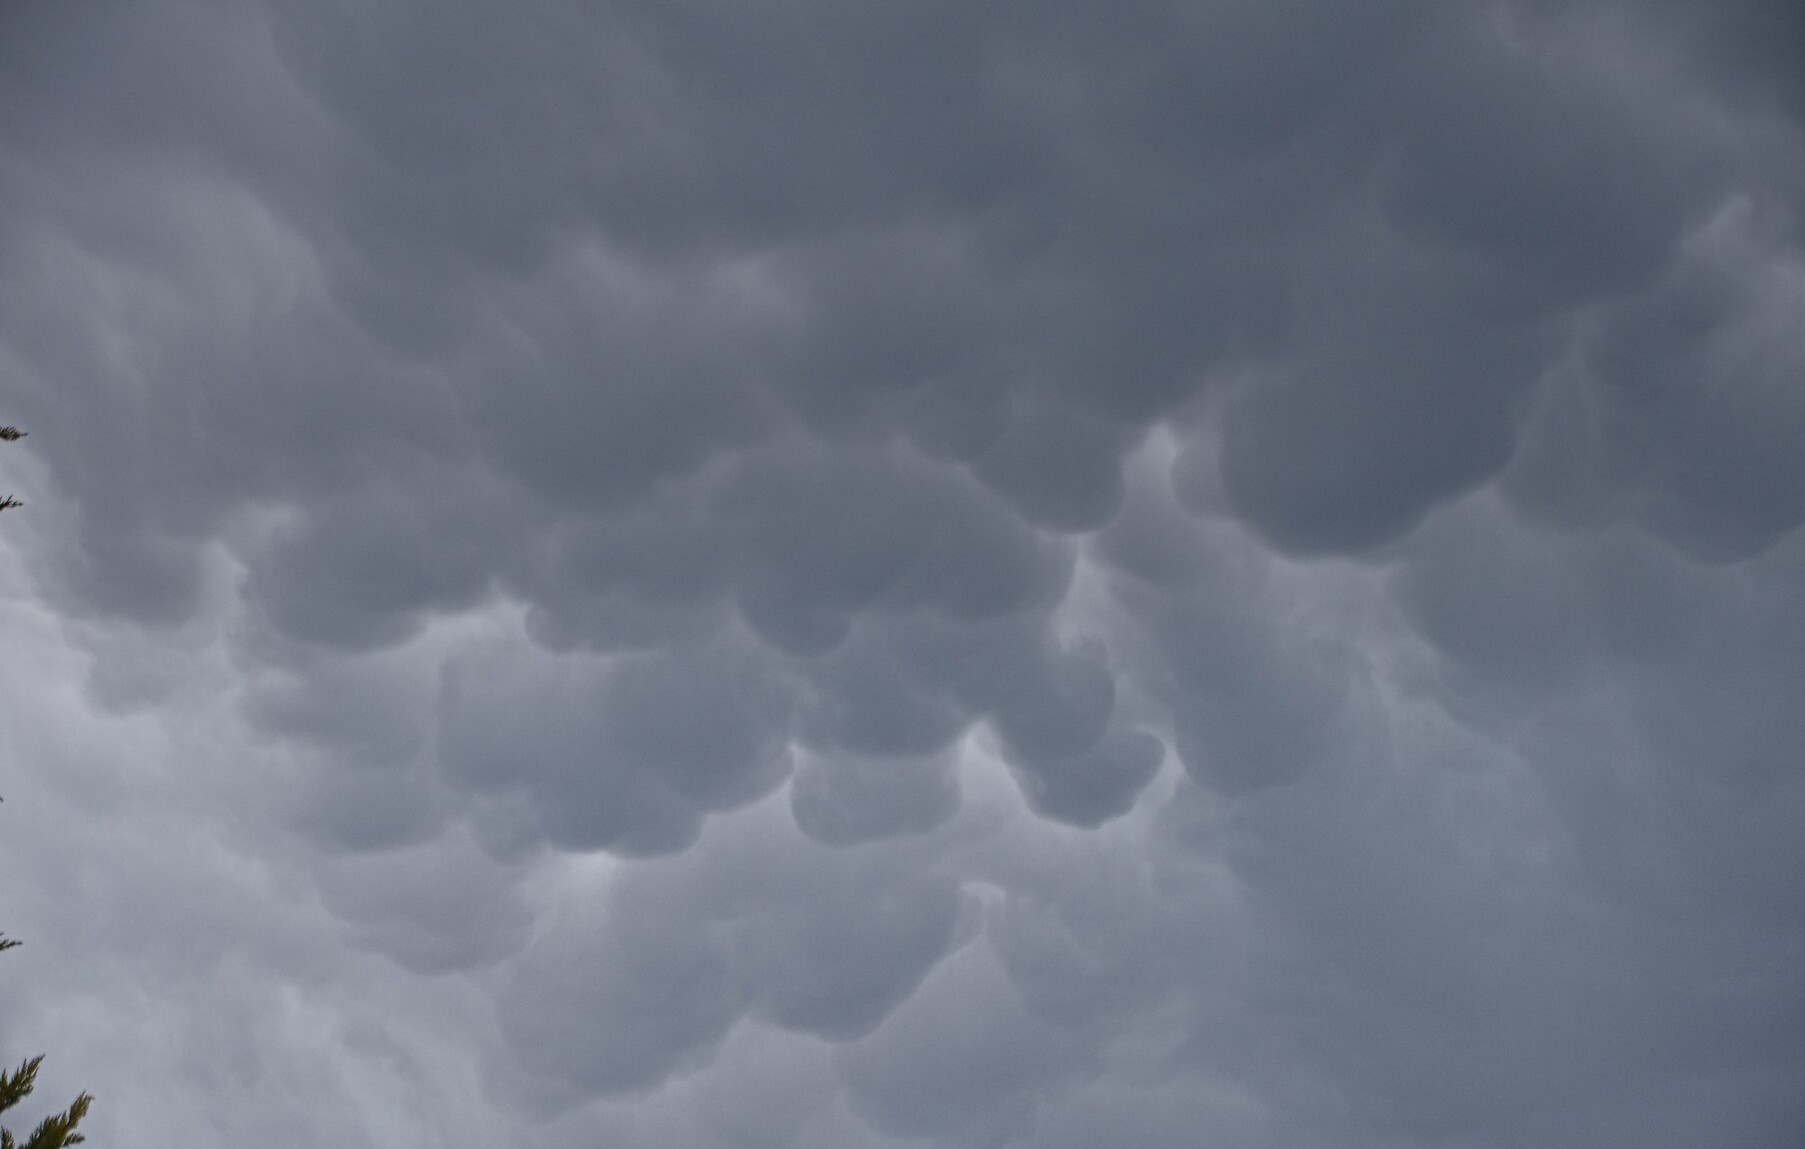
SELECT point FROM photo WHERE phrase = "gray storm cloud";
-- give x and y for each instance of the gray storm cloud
(819, 574)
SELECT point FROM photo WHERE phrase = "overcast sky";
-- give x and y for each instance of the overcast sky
(857, 574)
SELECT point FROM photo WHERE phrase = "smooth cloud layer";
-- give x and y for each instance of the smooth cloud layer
(847, 574)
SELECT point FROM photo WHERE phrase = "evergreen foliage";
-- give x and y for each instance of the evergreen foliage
(58, 1129)
(10, 435)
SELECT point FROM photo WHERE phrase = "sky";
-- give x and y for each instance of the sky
(869, 574)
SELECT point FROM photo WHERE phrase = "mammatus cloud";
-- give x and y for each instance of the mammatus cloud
(831, 574)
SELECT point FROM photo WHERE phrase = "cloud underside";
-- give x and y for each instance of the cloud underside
(818, 574)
